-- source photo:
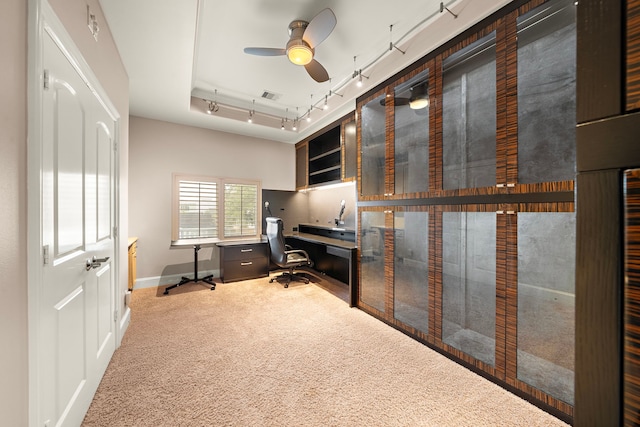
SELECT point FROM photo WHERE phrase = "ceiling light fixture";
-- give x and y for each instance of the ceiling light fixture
(252, 112)
(419, 97)
(299, 52)
(326, 106)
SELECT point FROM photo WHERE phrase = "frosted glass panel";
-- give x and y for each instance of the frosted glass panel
(373, 147)
(546, 302)
(469, 283)
(547, 94)
(412, 135)
(469, 116)
(411, 269)
(372, 259)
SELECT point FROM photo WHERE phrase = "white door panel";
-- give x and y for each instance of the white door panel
(77, 294)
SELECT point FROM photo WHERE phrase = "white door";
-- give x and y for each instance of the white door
(76, 319)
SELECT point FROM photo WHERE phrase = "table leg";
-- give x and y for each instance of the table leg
(207, 279)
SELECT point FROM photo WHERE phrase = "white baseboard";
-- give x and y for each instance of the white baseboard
(154, 282)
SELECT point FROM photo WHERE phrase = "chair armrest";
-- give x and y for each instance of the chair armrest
(288, 247)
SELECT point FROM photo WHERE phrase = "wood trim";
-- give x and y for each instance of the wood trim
(633, 55)
(632, 299)
(599, 67)
(598, 300)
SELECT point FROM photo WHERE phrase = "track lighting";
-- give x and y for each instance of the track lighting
(326, 106)
(295, 124)
(252, 112)
(360, 76)
(282, 124)
(213, 107)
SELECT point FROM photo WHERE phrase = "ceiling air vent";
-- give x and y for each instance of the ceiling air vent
(270, 95)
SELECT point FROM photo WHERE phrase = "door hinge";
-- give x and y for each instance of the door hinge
(45, 79)
(115, 147)
(115, 315)
(45, 254)
(115, 231)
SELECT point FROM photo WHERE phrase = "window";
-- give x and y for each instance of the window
(209, 207)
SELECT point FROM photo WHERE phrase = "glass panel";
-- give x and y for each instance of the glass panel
(469, 283)
(350, 150)
(240, 210)
(412, 135)
(373, 147)
(411, 269)
(547, 93)
(469, 116)
(546, 302)
(372, 259)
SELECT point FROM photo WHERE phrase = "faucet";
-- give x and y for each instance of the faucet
(339, 220)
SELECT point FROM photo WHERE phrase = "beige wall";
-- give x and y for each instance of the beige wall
(157, 150)
(14, 50)
(13, 215)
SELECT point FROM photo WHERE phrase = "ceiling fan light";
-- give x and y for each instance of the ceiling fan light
(418, 103)
(299, 53)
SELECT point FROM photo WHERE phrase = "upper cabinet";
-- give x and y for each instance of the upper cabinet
(395, 135)
(494, 113)
(328, 156)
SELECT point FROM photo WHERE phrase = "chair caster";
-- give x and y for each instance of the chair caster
(286, 285)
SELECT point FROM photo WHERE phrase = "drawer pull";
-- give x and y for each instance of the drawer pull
(246, 250)
(246, 263)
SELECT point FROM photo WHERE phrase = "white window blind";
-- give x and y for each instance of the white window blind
(198, 212)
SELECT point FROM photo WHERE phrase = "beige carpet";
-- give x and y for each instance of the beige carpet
(255, 354)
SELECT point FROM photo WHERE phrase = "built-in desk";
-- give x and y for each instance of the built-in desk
(330, 252)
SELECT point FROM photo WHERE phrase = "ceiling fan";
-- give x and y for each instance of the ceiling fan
(304, 37)
(418, 99)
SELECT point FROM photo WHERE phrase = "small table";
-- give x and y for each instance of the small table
(196, 244)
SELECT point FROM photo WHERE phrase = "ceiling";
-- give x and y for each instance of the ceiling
(181, 54)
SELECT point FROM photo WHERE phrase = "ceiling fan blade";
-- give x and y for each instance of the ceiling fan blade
(317, 71)
(319, 28)
(265, 51)
(396, 102)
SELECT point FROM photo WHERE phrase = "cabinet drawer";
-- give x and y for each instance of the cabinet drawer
(249, 268)
(242, 252)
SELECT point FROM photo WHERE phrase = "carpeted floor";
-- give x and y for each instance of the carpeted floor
(255, 354)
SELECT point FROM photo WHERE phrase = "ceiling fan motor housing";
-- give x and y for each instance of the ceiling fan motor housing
(298, 51)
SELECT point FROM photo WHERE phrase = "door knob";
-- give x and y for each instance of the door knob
(95, 262)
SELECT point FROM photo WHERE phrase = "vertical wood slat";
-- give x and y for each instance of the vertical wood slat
(435, 129)
(632, 300)
(502, 286)
(501, 104)
(511, 99)
(390, 146)
(437, 274)
(433, 261)
(388, 264)
(633, 55)
(511, 293)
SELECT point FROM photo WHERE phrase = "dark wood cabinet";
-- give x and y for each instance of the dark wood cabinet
(466, 210)
(328, 156)
(241, 261)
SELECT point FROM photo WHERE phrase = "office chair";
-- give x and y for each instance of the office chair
(283, 255)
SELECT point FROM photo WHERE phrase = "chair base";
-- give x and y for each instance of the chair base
(289, 276)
